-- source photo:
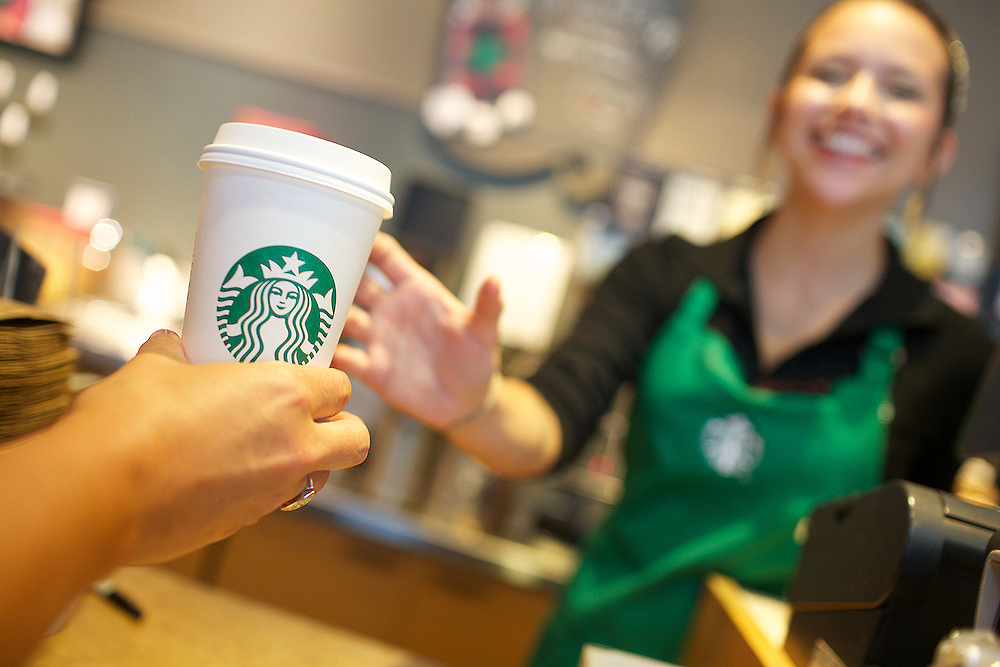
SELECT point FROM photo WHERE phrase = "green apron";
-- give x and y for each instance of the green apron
(719, 473)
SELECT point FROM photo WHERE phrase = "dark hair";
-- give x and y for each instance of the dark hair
(957, 85)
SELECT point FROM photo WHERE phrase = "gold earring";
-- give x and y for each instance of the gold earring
(924, 250)
(913, 209)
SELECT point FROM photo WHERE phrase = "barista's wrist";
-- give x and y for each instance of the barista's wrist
(488, 403)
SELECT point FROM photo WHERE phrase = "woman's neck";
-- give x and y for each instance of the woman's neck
(809, 269)
(823, 241)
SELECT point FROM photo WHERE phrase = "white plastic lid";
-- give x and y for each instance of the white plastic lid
(302, 156)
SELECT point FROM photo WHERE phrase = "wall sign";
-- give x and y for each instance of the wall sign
(51, 27)
(581, 78)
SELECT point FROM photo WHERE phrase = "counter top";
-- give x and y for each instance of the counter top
(516, 563)
(186, 623)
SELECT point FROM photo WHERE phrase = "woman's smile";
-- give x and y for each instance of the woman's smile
(849, 145)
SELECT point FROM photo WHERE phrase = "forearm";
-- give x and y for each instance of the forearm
(519, 436)
(62, 529)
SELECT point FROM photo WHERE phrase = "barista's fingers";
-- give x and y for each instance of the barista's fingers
(166, 343)
(352, 360)
(390, 257)
(485, 317)
(358, 325)
(369, 292)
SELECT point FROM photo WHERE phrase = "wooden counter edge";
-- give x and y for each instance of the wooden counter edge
(185, 622)
(724, 633)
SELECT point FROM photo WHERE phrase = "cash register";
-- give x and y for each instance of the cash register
(885, 575)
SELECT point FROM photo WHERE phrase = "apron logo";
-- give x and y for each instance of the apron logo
(731, 446)
(276, 303)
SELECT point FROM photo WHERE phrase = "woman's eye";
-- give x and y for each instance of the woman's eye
(902, 90)
(829, 74)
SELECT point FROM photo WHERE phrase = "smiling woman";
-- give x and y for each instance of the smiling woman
(861, 117)
(794, 363)
(864, 121)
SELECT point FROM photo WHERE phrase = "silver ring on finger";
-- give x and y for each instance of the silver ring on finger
(303, 498)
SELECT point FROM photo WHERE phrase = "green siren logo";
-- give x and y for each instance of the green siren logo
(276, 303)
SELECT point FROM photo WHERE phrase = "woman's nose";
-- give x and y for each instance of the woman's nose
(859, 95)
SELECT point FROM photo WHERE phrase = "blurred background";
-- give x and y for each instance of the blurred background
(536, 139)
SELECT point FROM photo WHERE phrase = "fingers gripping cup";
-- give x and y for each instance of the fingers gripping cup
(286, 226)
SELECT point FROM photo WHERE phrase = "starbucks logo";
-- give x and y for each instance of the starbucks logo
(732, 446)
(276, 303)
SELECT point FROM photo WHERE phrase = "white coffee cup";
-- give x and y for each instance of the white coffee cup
(286, 226)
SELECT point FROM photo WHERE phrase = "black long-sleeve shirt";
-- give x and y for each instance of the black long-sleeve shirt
(946, 352)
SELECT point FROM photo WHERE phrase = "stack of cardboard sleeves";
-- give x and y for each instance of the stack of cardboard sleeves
(36, 362)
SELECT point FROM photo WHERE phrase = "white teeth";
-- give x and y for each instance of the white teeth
(848, 144)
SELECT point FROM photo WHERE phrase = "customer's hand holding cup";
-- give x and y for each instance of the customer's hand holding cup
(286, 227)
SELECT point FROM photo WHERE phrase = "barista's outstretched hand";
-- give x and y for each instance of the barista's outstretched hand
(421, 349)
